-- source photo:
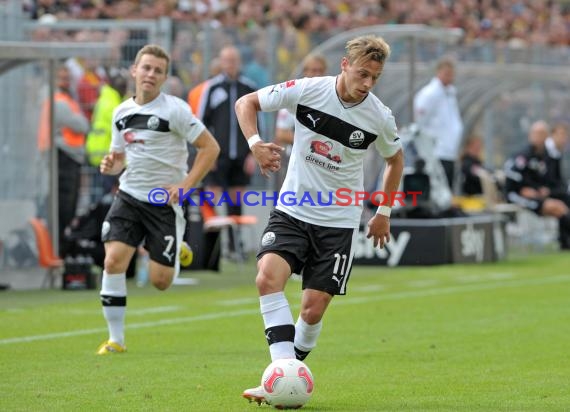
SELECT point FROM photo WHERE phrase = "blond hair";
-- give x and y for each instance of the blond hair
(153, 50)
(366, 48)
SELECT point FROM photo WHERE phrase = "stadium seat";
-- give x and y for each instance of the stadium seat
(243, 220)
(212, 221)
(490, 199)
(46, 256)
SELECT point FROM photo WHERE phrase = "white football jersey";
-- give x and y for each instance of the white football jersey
(328, 148)
(154, 137)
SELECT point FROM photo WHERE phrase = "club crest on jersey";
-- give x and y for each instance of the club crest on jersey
(268, 239)
(153, 123)
(356, 138)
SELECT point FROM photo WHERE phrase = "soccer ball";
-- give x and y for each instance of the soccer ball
(287, 383)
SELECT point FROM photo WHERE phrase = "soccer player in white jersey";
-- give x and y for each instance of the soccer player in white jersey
(336, 119)
(149, 139)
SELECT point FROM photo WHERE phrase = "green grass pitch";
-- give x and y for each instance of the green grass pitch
(492, 337)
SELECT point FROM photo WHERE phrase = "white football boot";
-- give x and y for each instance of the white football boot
(255, 395)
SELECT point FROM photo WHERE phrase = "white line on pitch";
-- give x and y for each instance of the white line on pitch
(367, 288)
(237, 302)
(497, 276)
(174, 321)
(158, 309)
(132, 311)
(339, 301)
(423, 283)
(455, 289)
(483, 277)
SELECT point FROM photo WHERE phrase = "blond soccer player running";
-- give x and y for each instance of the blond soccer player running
(341, 114)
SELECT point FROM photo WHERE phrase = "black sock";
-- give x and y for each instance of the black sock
(301, 354)
(565, 221)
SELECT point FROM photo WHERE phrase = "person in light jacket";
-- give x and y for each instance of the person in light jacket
(436, 112)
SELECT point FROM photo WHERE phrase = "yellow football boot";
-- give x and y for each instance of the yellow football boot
(108, 347)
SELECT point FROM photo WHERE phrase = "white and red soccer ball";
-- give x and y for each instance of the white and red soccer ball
(287, 383)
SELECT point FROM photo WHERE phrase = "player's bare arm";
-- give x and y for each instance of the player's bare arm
(208, 150)
(113, 163)
(379, 224)
(267, 155)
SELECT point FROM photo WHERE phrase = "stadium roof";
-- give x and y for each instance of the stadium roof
(14, 53)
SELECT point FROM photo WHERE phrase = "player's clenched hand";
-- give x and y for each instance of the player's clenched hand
(173, 193)
(112, 163)
(268, 156)
(379, 230)
(107, 163)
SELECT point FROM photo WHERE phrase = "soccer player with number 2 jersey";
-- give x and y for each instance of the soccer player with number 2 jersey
(150, 135)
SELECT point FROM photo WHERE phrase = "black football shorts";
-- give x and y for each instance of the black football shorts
(323, 255)
(131, 221)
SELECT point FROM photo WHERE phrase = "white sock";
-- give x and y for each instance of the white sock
(114, 300)
(306, 335)
(276, 314)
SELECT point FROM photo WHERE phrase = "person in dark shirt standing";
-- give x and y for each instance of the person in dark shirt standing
(216, 110)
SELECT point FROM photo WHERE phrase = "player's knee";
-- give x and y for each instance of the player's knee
(262, 281)
(161, 283)
(266, 282)
(314, 306)
(271, 275)
(113, 263)
(311, 314)
(162, 279)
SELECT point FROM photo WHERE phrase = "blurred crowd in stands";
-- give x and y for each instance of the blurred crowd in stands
(515, 22)
(274, 36)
